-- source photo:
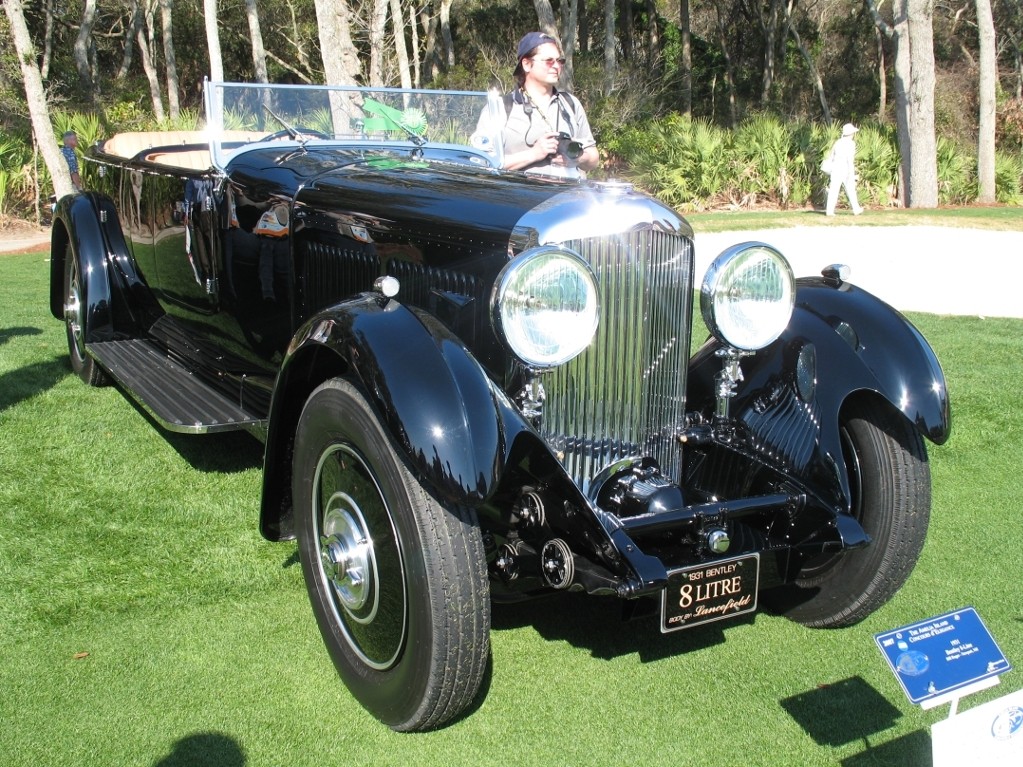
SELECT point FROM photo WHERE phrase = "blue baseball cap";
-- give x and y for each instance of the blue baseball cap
(529, 42)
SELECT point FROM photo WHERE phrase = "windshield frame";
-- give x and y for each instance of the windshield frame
(399, 119)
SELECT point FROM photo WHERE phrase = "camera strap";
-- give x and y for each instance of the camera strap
(566, 102)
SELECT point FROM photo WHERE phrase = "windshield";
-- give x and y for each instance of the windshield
(243, 116)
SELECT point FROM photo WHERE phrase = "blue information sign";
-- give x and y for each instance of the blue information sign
(941, 654)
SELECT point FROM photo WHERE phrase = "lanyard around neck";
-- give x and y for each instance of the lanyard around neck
(543, 112)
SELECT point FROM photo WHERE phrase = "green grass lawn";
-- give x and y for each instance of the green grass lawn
(145, 622)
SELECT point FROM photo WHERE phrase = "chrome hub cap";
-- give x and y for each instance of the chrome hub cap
(361, 571)
(73, 310)
(346, 554)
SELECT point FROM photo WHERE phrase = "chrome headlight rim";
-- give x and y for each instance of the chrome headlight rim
(509, 305)
(729, 297)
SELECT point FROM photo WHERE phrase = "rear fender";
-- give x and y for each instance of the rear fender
(77, 222)
(860, 345)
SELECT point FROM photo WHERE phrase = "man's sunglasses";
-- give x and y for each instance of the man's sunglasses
(551, 62)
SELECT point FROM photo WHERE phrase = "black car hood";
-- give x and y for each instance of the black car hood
(393, 196)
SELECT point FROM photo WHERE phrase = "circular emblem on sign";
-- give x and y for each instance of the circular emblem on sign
(912, 663)
(1008, 723)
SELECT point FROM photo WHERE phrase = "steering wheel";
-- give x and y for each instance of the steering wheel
(294, 133)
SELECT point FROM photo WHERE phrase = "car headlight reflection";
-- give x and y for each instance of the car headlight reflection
(545, 306)
(747, 296)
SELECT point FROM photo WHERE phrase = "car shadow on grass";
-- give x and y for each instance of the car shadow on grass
(206, 748)
(603, 626)
(28, 381)
(224, 453)
(6, 334)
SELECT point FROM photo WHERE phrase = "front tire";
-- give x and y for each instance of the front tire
(397, 581)
(890, 482)
(75, 318)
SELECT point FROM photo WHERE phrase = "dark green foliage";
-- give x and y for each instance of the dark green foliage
(693, 165)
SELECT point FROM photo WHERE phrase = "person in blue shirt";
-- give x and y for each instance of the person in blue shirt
(68, 150)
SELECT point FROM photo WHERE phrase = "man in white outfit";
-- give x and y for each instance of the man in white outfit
(843, 170)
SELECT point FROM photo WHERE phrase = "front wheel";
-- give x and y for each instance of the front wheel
(397, 581)
(890, 481)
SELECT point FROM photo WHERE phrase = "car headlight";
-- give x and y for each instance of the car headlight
(747, 295)
(545, 306)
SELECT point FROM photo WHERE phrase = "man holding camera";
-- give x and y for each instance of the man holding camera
(546, 130)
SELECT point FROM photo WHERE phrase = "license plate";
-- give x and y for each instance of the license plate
(710, 592)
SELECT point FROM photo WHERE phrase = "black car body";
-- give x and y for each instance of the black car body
(476, 385)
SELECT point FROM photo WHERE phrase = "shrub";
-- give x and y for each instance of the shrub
(1009, 178)
(765, 165)
(877, 162)
(685, 162)
(957, 178)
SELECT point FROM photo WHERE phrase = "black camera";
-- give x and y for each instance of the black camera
(569, 147)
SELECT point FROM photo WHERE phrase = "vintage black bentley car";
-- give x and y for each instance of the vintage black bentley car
(476, 386)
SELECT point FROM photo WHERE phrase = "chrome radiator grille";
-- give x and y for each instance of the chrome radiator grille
(625, 395)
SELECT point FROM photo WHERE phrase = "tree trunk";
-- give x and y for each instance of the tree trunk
(35, 96)
(44, 70)
(129, 41)
(417, 81)
(882, 77)
(170, 62)
(653, 42)
(400, 48)
(625, 30)
(545, 17)
(729, 75)
(445, 32)
(256, 35)
(213, 41)
(584, 30)
(569, 36)
(687, 57)
(431, 27)
(145, 41)
(1017, 60)
(986, 125)
(610, 60)
(298, 42)
(818, 84)
(913, 36)
(769, 30)
(81, 50)
(377, 24)
(341, 64)
(923, 157)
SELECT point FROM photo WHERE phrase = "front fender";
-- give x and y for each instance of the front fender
(860, 344)
(434, 398)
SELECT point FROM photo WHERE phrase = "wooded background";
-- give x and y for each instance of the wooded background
(922, 70)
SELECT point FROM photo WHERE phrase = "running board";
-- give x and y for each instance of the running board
(177, 399)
